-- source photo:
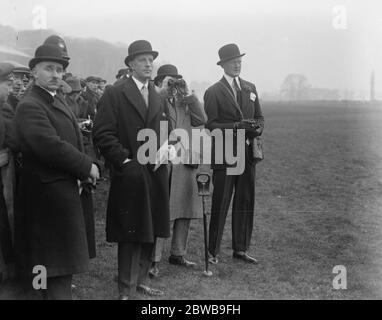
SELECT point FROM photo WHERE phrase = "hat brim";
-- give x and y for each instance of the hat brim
(34, 61)
(230, 58)
(162, 76)
(131, 57)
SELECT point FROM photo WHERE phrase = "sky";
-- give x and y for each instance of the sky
(335, 44)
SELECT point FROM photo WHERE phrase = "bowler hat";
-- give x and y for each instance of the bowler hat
(6, 71)
(139, 47)
(58, 41)
(48, 52)
(166, 70)
(74, 83)
(229, 52)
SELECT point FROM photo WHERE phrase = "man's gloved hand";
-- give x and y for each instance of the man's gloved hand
(249, 125)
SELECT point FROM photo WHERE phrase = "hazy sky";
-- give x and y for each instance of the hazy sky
(278, 36)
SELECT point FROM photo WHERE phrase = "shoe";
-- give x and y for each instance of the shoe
(213, 259)
(123, 297)
(244, 256)
(181, 261)
(154, 271)
(149, 291)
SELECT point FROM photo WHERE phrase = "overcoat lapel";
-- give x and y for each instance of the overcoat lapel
(132, 94)
(60, 105)
(247, 109)
(57, 104)
(154, 103)
(227, 92)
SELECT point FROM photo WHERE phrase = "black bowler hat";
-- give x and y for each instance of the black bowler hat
(229, 52)
(166, 70)
(139, 47)
(48, 52)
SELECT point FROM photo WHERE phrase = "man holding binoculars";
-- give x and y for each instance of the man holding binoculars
(231, 104)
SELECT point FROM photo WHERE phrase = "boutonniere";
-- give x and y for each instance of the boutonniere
(252, 96)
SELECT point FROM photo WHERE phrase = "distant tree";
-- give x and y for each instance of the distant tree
(295, 87)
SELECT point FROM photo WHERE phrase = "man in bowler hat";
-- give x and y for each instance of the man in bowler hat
(233, 103)
(138, 204)
(50, 228)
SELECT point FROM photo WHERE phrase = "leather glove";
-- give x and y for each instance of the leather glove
(249, 125)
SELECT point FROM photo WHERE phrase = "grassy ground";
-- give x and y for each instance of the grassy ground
(318, 205)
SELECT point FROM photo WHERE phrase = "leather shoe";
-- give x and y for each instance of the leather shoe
(213, 259)
(181, 261)
(123, 297)
(149, 291)
(245, 257)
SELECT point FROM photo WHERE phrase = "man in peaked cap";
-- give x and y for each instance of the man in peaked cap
(91, 95)
(138, 205)
(22, 78)
(233, 103)
(50, 228)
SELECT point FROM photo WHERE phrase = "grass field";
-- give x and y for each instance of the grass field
(318, 205)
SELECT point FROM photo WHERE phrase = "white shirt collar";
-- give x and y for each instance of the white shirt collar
(139, 83)
(53, 94)
(230, 80)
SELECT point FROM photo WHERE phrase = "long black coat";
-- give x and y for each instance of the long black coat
(49, 221)
(223, 111)
(138, 205)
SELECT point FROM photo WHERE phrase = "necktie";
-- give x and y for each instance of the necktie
(145, 95)
(237, 92)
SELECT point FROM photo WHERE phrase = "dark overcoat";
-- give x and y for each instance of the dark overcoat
(138, 204)
(49, 220)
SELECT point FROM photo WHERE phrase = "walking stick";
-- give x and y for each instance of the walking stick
(203, 181)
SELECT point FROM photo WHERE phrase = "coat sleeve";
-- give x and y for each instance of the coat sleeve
(36, 131)
(105, 131)
(258, 113)
(11, 140)
(198, 118)
(211, 107)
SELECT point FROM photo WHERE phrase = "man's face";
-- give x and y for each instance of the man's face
(102, 86)
(19, 85)
(5, 88)
(232, 67)
(48, 75)
(92, 85)
(142, 66)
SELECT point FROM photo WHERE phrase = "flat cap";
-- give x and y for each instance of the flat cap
(6, 69)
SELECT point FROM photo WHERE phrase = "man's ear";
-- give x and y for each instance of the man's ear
(131, 66)
(34, 72)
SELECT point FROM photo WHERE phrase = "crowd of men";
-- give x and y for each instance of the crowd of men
(58, 132)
